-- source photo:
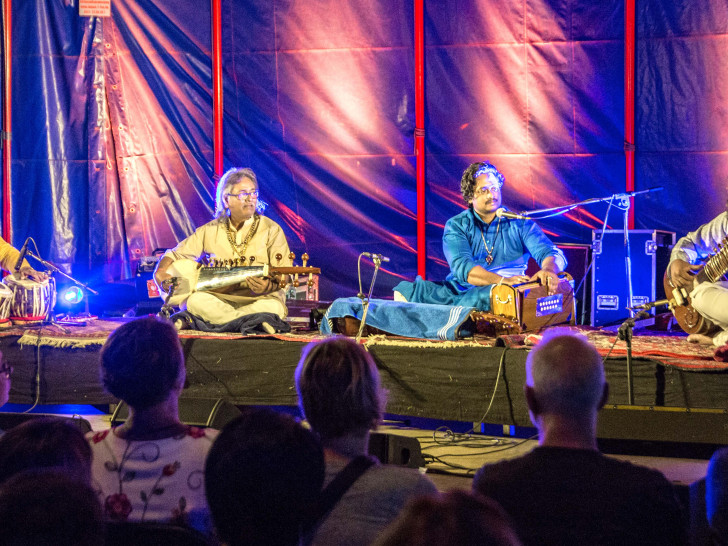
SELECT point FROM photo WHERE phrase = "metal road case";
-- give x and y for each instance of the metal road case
(650, 254)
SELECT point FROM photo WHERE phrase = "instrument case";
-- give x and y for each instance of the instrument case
(650, 254)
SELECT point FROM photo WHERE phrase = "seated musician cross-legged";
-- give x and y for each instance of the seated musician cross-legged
(238, 234)
(685, 271)
(485, 249)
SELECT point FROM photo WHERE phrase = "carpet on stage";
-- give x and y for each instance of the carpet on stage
(669, 350)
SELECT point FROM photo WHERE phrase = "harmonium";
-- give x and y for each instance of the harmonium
(531, 307)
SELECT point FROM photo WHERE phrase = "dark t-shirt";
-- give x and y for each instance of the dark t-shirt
(566, 496)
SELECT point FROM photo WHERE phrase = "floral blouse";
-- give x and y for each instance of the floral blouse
(153, 480)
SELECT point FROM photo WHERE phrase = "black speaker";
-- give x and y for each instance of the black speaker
(393, 449)
(10, 420)
(204, 412)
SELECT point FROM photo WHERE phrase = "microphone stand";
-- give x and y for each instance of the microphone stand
(50, 318)
(624, 204)
(55, 269)
(377, 260)
(625, 333)
(566, 208)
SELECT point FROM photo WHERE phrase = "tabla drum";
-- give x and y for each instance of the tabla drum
(6, 301)
(31, 300)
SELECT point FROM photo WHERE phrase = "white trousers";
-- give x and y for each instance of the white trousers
(217, 311)
(711, 301)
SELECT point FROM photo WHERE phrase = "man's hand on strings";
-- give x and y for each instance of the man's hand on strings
(262, 285)
(683, 273)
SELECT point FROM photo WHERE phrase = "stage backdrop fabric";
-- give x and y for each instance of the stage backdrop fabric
(112, 131)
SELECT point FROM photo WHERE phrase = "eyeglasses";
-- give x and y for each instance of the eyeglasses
(243, 195)
(493, 188)
(7, 370)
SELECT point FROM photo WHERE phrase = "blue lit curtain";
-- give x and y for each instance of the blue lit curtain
(113, 140)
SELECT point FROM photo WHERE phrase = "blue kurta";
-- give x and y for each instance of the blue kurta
(513, 243)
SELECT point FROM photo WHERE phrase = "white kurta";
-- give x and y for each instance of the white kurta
(229, 303)
(708, 299)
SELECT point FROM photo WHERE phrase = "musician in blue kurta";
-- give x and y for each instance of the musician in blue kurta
(484, 249)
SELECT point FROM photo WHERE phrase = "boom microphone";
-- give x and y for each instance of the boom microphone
(503, 213)
(379, 257)
(23, 252)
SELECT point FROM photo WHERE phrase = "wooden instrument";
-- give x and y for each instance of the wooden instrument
(679, 302)
(192, 276)
(531, 307)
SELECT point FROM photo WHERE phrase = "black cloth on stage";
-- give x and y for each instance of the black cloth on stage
(247, 324)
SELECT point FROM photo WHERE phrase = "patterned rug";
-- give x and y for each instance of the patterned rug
(94, 335)
(670, 350)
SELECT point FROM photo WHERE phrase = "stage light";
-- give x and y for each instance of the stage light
(72, 295)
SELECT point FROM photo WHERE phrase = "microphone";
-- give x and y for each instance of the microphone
(625, 330)
(379, 257)
(650, 304)
(23, 252)
(503, 213)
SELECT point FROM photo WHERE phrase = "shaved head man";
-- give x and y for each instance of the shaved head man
(565, 491)
(565, 388)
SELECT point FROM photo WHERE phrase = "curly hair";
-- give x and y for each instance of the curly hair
(467, 182)
(227, 181)
(141, 361)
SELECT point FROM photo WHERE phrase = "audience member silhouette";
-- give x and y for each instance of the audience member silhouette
(456, 517)
(262, 476)
(47, 508)
(565, 491)
(716, 495)
(45, 443)
(341, 396)
(151, 467)
(6, 371)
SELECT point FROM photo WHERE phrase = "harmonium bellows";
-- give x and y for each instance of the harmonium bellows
(532, 307)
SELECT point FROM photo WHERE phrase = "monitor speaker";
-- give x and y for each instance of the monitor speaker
(205, 412)
(10, 420)
(393, 449)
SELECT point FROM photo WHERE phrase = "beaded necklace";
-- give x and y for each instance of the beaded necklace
(240, 249)
(489, 257)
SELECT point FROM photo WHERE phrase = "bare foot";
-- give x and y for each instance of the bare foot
(700, 338)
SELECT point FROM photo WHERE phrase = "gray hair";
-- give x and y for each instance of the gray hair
(227, 181)
(566, 374)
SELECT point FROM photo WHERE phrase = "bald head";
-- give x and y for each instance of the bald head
(566, 375)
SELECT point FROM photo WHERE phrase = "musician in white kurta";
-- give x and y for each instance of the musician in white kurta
(708, 299)
(237, 231)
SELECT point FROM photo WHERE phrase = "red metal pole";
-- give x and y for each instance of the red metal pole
(629, 76)
(420, 135)
(217, 90)
(7, 118)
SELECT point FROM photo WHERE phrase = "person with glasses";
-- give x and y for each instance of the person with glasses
(238, 231)
(484, 249)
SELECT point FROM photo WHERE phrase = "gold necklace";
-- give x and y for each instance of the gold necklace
(489, 257)
(240, 249)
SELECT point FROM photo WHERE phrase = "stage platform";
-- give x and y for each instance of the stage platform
(680, 392)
